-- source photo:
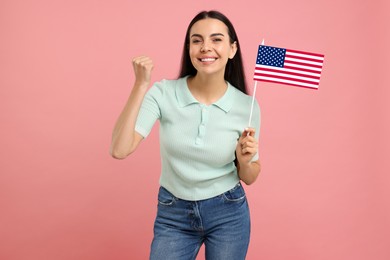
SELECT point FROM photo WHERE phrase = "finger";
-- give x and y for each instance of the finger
(249, 150)
(249, 140)
(136, 60)
(249, 144)
(139, 58)
(142, 60)
(143, 68)
(143, 63)
(249, 131)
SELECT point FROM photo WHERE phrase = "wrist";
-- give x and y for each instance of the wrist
(245, 165)
(141, 84)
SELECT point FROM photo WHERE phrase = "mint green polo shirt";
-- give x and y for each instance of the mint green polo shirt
(197, 141)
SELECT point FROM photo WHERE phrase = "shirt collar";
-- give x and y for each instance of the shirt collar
(183, 94)
(185, 98)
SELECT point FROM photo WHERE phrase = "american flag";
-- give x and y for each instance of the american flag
(289, 67)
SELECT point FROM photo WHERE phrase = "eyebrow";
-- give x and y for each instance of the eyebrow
(212, 35)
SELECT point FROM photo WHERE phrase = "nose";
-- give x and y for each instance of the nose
(205, 47)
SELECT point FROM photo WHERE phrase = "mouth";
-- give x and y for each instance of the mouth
(207, 59)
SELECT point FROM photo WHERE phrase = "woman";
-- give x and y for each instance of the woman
(206, 148)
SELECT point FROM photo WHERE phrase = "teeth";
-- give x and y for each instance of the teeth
(208, 59)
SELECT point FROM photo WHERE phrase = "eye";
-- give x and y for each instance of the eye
(195, 41)
(217, 40)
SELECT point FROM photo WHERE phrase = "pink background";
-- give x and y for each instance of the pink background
(65, 74)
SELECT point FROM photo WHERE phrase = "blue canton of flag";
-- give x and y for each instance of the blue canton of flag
(271, 56)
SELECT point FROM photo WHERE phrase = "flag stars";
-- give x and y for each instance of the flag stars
(271, 56)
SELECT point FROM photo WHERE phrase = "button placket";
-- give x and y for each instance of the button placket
(202, 125)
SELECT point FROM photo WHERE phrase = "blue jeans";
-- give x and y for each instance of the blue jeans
(222, 223)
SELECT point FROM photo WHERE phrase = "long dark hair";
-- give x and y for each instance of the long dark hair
(234, 71)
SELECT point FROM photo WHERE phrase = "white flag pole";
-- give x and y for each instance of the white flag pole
(253, 97)
(253, 101)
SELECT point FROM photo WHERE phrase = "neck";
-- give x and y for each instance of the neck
(207, 89)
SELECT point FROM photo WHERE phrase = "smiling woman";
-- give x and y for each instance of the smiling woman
(234, 72)
(206, 146)
(210, 47)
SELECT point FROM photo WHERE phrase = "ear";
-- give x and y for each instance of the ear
(233, 50)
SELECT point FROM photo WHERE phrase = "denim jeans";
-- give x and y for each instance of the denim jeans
(222, 223)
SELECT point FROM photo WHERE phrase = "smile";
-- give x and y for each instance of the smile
(207, 59)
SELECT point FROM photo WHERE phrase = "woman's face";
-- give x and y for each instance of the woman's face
(210, 46)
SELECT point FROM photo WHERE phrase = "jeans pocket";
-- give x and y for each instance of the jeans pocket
(165, 198)
(235, 195)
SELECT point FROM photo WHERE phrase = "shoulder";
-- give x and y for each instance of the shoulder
(166, 85)
(242, 103)
(242, 97)
(161, 88)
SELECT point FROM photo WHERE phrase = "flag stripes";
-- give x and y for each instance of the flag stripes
(289, 67)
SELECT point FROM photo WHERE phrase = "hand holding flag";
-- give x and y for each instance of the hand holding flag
(247, 146)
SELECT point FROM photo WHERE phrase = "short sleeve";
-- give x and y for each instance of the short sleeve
(150, 110)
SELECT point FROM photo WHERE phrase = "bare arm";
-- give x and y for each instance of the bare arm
(124, 137)
(247, 147)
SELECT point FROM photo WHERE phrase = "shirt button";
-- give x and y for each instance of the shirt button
(198, 141)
